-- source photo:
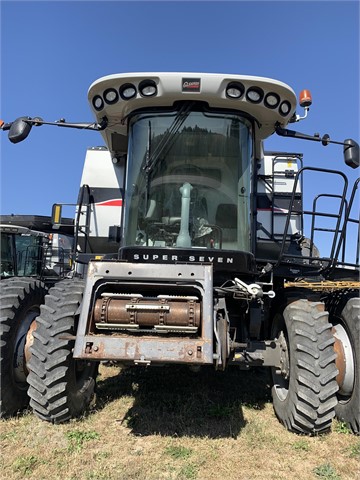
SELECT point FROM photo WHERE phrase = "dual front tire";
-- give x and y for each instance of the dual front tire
(319, 373)
(344, 313)
(36, 339)
(60, 387)
(304, 386)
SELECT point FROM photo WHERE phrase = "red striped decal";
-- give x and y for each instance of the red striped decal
(110, 203)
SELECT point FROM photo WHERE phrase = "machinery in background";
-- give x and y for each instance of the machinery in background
(31, 262)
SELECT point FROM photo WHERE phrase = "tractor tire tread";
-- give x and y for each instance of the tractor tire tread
(309, 405)
(344, 308)
(16, 296)
(53, 392)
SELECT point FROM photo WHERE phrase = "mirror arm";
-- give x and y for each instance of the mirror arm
(62, 123)
(351, 148)
(325, 139)
(37, 122)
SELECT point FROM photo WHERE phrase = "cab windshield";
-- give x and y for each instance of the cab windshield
(20, 255)
(188, 180)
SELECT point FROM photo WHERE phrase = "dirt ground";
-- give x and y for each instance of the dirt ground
(173, 424)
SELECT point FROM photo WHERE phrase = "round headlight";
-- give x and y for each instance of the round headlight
(285, 108)
(98, 102)
(272, 100)
(235, 90)
(148, 88)
(255, 94)
(127, 91)
(111, 96)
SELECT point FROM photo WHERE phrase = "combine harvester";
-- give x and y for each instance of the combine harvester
(191, 249)
(31, 262)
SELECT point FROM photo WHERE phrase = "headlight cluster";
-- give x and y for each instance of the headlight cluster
(236, 90)
(146, 88)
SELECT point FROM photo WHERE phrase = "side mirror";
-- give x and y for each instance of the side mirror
(351, 153)
(19, 130)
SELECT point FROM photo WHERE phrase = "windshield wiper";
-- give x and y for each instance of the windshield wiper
(168, 139)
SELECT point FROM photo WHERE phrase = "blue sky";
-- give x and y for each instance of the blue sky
(52, 51)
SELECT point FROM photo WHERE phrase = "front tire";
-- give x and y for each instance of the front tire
(20, 305)
(344, 310)
(60, 387)
(304, 389)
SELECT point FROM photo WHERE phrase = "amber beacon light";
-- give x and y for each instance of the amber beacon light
(305, 99)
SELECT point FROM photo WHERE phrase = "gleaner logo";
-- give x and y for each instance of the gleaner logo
(191, 84)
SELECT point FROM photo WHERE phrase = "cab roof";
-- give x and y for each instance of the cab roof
(269, 101)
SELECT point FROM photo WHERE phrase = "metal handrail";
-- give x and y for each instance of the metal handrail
(329, 215)
(347, 219)
(333, 259)
(78, 229)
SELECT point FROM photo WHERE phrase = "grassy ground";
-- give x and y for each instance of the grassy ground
(170, 423)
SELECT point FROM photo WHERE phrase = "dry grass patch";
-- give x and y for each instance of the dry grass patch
(171, 424)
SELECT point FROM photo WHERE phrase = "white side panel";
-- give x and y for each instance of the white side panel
(104, 216)
(105, 182)
(100, 171)
(279, 225)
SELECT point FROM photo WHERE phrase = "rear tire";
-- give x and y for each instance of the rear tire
(304, 390)
(61, 387)
(344, 310)
(20, 305)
